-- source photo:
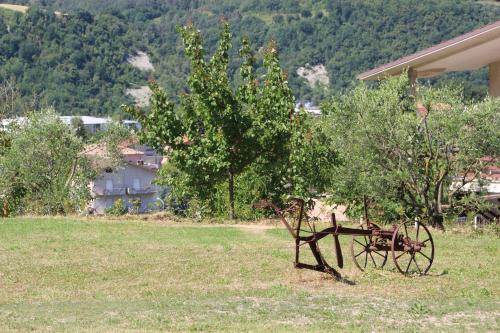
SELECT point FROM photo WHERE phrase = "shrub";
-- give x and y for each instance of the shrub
(136, 205)
(42, 171)
(117, 209)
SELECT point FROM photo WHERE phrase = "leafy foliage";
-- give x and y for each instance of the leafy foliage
(42, 171)
(217, 134)
(118, 208)
(8, 98)
(76, 61)
(404, 160)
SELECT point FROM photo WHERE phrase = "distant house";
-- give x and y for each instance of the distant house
(132, 124)
(487, 183)
(309, 107)
(131, 181)
(91, 124)
(5, 123)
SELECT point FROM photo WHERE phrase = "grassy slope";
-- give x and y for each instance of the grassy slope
(59, 274)
(16, 8)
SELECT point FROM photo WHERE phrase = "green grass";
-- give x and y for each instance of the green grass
(92, 275)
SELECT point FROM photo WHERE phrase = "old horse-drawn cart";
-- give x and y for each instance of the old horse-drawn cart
(409, 243)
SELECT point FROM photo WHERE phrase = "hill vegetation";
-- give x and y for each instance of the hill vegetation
(77, 61)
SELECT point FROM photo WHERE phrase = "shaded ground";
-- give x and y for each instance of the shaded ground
(93, 275)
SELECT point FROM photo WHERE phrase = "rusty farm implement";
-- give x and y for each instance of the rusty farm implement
(408, 243)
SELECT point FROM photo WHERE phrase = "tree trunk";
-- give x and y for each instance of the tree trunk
(436, 216)
(436, 220)
(231, 195)
(439, 199)
(5, 209)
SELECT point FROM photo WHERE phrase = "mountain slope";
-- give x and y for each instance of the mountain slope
(77, 62)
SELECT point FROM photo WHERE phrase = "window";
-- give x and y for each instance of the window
(137, 184)
(109, 184)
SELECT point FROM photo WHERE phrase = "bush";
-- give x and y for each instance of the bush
(117, 209)
(136, 205)
(43, 171)
(278, 19)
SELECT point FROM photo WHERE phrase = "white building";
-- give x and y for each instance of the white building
(132, 181)
(91, 124)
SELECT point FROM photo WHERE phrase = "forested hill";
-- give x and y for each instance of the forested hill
(77, 60)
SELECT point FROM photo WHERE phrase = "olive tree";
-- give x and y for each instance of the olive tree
(404, 159)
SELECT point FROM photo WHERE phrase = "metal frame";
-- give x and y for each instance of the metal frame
(397, 240)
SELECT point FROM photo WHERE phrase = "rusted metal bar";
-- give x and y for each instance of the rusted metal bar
(377, 241)
(338, 249)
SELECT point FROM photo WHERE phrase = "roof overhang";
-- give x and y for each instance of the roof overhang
(470, 51)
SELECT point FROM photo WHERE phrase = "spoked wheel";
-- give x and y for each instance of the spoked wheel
(412, 248)
(365, 250)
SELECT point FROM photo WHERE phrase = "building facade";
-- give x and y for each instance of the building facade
(132, 183)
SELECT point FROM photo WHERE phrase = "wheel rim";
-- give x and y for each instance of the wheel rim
(412, 248)
(363, 256)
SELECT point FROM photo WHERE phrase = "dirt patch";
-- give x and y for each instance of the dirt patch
(314, 74)
(141, 95)
(17, 8)
(141, 61)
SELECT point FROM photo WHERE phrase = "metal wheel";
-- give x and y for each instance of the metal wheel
(412, 248)
(364, 250)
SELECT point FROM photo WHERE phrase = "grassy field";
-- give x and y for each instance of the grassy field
(92, 275)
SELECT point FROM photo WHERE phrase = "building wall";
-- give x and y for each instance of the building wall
(122, 183)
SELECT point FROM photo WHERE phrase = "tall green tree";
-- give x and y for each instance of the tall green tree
(216, 132)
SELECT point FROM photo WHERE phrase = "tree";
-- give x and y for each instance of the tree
(403, 160)
(306, 13)
(216, 133)
(210, 136)
(42, 171)
(9, 96)
(79, 128)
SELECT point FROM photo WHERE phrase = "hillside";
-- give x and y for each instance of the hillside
(78, 62)
(16, 8)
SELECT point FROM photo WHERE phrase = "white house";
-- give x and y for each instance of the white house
(131, 181)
